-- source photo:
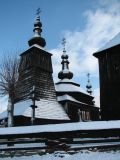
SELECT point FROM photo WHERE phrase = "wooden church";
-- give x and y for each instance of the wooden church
(109, 68)
(38, 99)
(78, 105)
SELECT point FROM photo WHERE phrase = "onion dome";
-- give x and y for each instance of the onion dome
(37, 39)
(89, 86)
(65, 73)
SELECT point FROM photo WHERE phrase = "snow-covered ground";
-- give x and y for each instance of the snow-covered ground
(84, 155)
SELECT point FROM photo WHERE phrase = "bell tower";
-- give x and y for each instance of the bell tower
(36, 67)
(36, 81)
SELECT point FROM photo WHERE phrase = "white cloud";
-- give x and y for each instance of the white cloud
(97, 96)
(101, 26)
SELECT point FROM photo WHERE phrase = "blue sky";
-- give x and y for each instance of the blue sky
(17, 18)
(86, 24)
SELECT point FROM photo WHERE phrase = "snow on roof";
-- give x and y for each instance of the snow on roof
(70, 98)
(48, 110)
(67, 81)
(98, 125)
(113, 42)
(19, 108)
(45, 109)
(66, 97)
(36, 46)
(63, 87)
(67, 85)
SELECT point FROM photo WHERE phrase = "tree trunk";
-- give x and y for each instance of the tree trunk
(10, 110)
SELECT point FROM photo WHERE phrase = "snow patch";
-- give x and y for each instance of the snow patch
(83, 155)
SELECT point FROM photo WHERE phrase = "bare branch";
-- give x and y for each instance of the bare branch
(8, 83)
(9, 75)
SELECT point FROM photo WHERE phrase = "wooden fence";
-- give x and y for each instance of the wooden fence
(63, 140)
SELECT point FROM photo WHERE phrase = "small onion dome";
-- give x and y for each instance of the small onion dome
(37, 22)
(88, 86)
(64, 56)
(65, 74)
(37, 39)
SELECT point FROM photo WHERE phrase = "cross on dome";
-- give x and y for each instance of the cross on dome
(37, 39)
(63, 43)
(38, 11)
(88, 75)
(65, 73)
(89, 86)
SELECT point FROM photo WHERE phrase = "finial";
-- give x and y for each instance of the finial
(37, 39)
(88, 75)
(38, 11)
(65, 73)
(64, 43)
(89, 86)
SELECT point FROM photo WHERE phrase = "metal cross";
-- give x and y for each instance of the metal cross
(63, 43)
(88, 75)
(38, 11)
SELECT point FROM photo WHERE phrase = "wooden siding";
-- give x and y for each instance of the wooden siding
(109, 68)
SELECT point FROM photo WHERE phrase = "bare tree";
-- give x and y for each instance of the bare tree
(8, 83)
